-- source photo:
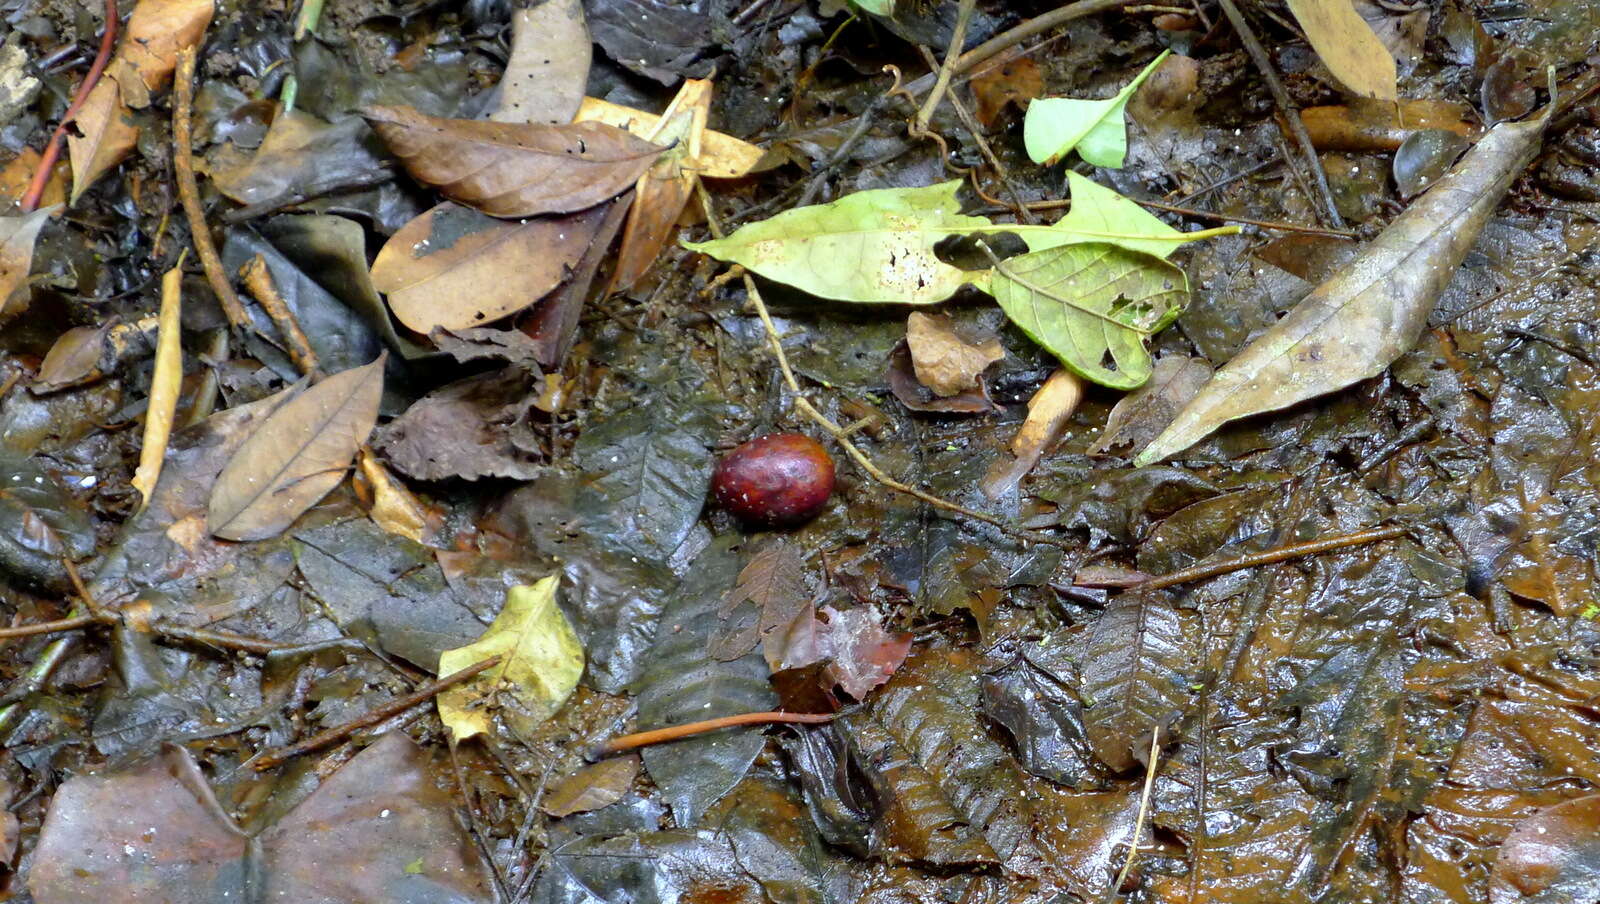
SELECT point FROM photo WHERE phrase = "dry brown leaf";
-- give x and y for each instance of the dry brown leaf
(104, 136)
(1016, 82)
(663, 191)
(592, 787)
(455, 268)
(85, 354)
(296, 456)
(917, 397)
(17, 237)
(549, 65)
(515, 169)
(1145, 412)
(393, 506)
(166, 384)
(148, 52)
(1048, 411)
(774, 581)
(1365, 125)
(722, 156)
(15, 176)
(1347, 45)
(944, 360)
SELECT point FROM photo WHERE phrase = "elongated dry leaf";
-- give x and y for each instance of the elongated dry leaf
(1055, 126)
(515, 169)
(1133, 680)
(1048, 411)
(296, 456)
(1145, 412)
(104, 136)
(17, 237)
(541, 661)
(148, 52)
(1363, 318)
(721, 157)
(1093, 306)
(1347, 46)
(165, 385)
(549, 65)
(663, 191)
(455, 268)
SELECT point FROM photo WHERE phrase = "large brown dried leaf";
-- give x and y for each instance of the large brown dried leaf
(774, 581)
(1132, 683)
(548, 71)
(17, 237)
(1347, 45)
(455, 268)
(1352, 326)
(148, 53)
(103, 137)
(515, 169)
(297, 456)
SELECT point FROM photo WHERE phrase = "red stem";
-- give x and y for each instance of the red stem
(674, 732)
(47, 161)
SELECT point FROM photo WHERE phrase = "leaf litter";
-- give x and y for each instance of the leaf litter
(1364, 611)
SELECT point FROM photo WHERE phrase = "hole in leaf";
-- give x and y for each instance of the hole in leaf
(1107, 362)
(962, 250)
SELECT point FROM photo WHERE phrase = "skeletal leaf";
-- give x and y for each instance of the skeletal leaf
(1092, 305)
(721, 156)
(541, 660)
(1132, 683)
(549, 65)
(1359, 321)
(514, 169)
(17, 237)
(1055, 126)
(296, 456)
(165, 384)
(1347, 45)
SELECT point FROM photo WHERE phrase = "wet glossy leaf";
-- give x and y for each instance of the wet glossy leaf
(1551, 857)
(296, 456)
(548, 70)
(1134, 682)
(1032, 698)
(540, 664)
(657, 867)
(1145, 412)
(775, 843)
(1055, 126)
(1347, 46)
(1352, 326)
(1093, 306)
(774, 581)
(455, 268)
(1423, 158)
(165, 382)
(592, 787)
(40, 523)
(659, 39)
(515, 169)
(300, 154)
(17, 237)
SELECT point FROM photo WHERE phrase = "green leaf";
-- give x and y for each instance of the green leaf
(1099, 214)
(876, 7)
(1093, 305)
(1054, 126)
(540, 663)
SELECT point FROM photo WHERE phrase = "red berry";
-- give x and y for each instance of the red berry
(777, 479)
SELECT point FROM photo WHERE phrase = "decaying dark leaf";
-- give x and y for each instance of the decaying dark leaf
(774, 581)
(1145, 412)
(301, 154)
(297, 455)
(1552, 857)
(515, 169)
(1134, 662)
(470, 429)
(40, 523)
(553, 322)
(914, 395)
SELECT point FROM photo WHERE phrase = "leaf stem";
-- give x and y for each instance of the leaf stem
(189, 191)
(1268, 557)
(675, 732)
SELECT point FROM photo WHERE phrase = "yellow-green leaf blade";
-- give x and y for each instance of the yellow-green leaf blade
(1093, 305)
(1055, 126)
(541, 660)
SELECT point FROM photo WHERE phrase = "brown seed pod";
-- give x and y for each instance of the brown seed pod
(775, 480)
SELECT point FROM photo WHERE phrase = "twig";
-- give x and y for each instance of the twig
(189, 193)
(1035, 26)
(1021, 210)
(674, 732)
(52, 150)
(334, 735)
(379, 176)
(78, 587)
(1268, 557)
(840, 436)
(1138, 822)
(258, 279)
(51, 627)
(958, 36)
(1252, 45)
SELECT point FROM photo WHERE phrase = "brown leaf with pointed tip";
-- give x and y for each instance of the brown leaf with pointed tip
(296, 456)
(454, 267)
(17, 237)
(592, 787)
(1347, 45)
(1146, 411)
(103, 138)
(664, 190)
(515, 169)
(774, 581)
(148, 52)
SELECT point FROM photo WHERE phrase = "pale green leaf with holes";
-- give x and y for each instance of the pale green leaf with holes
(1055, 126)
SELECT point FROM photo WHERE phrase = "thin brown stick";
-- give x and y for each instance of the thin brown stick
(334, 735)
(50, 627)
(189, 192)
(674, 732)
(967, 119)
(1282, 553)
(225, 639)
(1036, 26)
(258, 279)
(958, 36)
(1291, 115)
(52, 150)
(78, 587)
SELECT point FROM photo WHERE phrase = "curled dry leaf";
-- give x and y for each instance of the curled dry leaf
(17, 237)
(945, 361)
(1016, 82)
(721, 156)
(917, 397)
(1347, 45)
(393, 507)
(549, 65)
(541, 660)
(1363, 318)
(1145, 412)
(165, 385)
(297, 455)
(85, 354)
(1048, 411)
(515, 169)
(455, 268)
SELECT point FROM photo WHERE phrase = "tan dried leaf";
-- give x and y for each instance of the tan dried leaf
(1048, 411)
(592, 787)
(104, 136)
(148, 53)
(1347, 45)
(393, 506)
(946, 361)
(549, 65)
(663, 191)
(515, 169)
(166, 383)
(296, 456)
(455, 268)
(721, 157)
(17, 237)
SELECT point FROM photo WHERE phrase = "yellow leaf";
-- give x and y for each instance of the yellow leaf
(661, 193)
(540, 663)
(394, 507)
(165, 384)
(722, 156)
(1347, 46)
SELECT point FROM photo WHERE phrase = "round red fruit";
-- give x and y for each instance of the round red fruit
(777, 479)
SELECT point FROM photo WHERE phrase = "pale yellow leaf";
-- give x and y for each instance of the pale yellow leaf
(394, 507)
(1347, 45)
(722, 156)
(541, 661)
(166, 383)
